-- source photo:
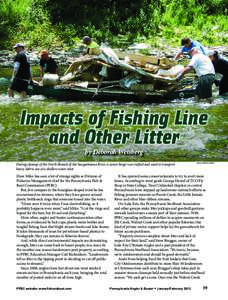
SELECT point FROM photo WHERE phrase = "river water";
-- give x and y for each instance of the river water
(197, 142)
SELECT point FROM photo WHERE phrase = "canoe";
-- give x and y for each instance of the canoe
(107, 78)
(109, 94)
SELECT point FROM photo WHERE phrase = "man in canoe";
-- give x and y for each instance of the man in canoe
(21, 72)
(221, 66)
(187, 44)
(47, 64)
(92, 47)
(204, 70)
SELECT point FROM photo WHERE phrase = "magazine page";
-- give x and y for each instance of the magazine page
(113, 149)
(107, 230)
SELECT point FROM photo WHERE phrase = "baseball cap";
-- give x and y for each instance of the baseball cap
(43, 52)
(210, 52)
(86, 39)
(18, 45)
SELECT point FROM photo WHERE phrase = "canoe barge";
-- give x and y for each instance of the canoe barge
(105, 77)
(76, 93)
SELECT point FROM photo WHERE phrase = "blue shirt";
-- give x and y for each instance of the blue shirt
(194, 44)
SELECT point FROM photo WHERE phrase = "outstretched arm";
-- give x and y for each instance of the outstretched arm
(178, 55)
(184, 71)
(41, 72)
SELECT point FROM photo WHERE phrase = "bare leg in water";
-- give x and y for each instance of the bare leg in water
(11, 93)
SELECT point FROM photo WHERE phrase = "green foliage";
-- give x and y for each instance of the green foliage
(181, 13)
(192, 19)
(53, 23)
(213, 7)
(37, 29)
(11, 14)
(67, 34)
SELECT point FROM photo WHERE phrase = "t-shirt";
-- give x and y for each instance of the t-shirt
(202, 64)
(93, 45)
(24, 68)
(49, 65)
(93, 49)
(194, 44)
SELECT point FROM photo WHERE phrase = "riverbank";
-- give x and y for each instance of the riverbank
(65, 57)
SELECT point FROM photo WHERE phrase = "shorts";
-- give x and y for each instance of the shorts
(204, 87)
(19, 85)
